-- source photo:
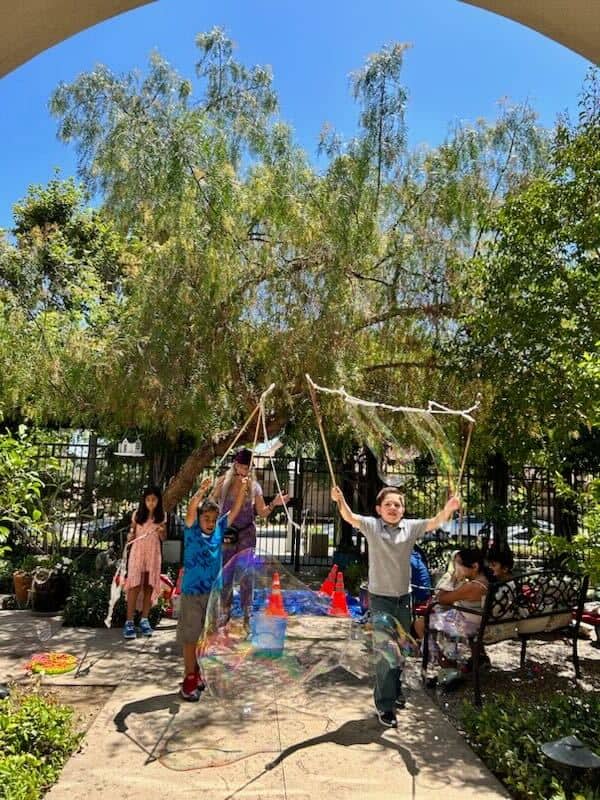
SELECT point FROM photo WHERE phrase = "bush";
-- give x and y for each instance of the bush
(36, 738)
(507, 735)
(87, 605)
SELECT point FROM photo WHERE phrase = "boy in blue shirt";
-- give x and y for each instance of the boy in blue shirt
(203, 540)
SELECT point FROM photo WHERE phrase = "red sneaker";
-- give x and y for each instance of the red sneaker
(190, 688)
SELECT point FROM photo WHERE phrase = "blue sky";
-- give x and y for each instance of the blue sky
(463, 61)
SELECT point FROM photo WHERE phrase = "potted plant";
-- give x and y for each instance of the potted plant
(23, 579)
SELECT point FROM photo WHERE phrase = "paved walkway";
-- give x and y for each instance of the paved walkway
(326, 743)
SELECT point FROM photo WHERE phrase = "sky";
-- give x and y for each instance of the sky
(462, 62)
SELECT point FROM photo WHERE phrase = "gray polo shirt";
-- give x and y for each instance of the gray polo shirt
(390, 547)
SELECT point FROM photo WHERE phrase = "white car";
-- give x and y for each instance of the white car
(522, 535)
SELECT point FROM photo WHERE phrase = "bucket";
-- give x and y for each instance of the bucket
(268, 635)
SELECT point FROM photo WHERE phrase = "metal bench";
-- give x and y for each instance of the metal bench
(529, 606)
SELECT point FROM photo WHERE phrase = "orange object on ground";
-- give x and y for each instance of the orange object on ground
(339, 606)
(275, 605)
(328, 585)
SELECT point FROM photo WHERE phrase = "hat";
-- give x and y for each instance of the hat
(243, 456)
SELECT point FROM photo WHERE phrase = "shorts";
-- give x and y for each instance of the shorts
(192, 614)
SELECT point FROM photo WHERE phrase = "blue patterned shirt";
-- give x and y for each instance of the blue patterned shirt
(202, 557)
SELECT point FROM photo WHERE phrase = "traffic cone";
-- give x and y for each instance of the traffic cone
(275, 605)
(328, 585)
(339, 606)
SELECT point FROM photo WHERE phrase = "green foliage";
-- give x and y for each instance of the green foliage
(507, 735)
(265, 268)
(581, 551)
(533, 322)
(354, 575)
(87, 605)
(21, 506)
(36, 738)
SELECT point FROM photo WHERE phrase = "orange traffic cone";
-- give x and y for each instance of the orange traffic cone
(275, 605)
(339, 606)
(328, 585)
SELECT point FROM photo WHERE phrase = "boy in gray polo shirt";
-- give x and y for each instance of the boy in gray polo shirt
(391, 539)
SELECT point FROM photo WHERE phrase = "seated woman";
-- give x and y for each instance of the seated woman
(501, 562)
(470, 593)
(448, 582)
(455, 623)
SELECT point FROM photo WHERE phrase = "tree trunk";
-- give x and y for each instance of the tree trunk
(181, 484)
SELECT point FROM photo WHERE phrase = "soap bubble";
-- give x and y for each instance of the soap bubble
(43, 630)
(379, 638)
(260, 641)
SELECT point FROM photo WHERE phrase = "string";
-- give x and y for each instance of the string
(290, 520)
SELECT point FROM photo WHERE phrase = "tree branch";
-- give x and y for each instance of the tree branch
(428, 310)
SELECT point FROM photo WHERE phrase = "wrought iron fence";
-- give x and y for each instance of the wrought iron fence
(91, 492)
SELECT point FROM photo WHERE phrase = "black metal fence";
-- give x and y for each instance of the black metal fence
(91, 492)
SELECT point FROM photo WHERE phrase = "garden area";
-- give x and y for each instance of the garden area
(139, 331)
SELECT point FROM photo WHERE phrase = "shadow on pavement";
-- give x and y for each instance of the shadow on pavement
(356, 731)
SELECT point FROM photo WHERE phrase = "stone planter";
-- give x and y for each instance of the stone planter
(49, 590)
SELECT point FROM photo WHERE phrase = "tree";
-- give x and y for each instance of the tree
(534, 323)
(240, 265)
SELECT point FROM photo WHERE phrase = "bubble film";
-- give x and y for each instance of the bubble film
(259, 644)
(375, 638)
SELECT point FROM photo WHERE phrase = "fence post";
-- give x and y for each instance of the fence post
(297, 509)
(565, 508)
(90, 478)
(499, 473)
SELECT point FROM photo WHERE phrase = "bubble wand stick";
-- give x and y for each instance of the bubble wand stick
(316, 409)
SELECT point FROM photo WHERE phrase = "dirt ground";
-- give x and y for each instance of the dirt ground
(548, 670)
(86, 701)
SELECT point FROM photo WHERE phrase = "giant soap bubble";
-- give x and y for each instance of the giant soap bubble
(261, 642)
(379, 639)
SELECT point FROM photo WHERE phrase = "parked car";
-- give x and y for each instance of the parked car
(522, 534)
(470, 526)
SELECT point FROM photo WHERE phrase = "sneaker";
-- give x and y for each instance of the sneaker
(387, 718)
(190, 688)
(400, 702)
(129, 630)
(146, 628)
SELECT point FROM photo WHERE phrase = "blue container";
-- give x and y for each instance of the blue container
(363, 597)
(268, 635)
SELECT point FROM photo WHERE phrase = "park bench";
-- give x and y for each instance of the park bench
(535, 605)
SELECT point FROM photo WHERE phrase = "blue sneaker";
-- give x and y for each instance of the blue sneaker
(129, 630)
(145, 627)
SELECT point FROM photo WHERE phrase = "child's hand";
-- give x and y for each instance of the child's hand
(280, 500)
(245, 485)
(452, 505)
(204, 487)
(336, 494)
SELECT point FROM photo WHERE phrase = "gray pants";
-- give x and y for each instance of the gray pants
(388, 673)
